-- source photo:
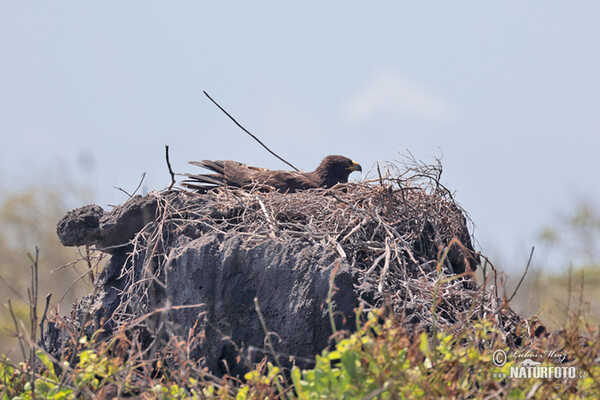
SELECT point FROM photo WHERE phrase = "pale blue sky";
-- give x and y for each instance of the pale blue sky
(509, 91)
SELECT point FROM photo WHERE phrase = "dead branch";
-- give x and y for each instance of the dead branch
(170, 169)
(249, 133)
(523, 276)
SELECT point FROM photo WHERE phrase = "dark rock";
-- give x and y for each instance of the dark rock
(121, 224)
(289, 280)
(91, 225)
(81, 226)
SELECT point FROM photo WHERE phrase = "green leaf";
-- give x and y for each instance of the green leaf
(47, 363)
(350, 362)
(297, 381)
(424, 346)
(242, 394)
(252, 376)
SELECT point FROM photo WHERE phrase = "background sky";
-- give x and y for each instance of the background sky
(508, 91)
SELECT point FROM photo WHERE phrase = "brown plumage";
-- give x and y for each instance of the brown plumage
(331, 171)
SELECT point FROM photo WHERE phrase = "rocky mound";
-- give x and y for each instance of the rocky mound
(232, 273)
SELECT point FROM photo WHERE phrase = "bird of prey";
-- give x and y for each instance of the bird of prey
(332, 170)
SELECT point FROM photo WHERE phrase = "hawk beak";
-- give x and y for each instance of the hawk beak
(355, 167)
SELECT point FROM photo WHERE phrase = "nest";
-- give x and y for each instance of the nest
(402, 227)
(403, 234)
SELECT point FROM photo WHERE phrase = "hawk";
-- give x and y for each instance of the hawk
(332, 170)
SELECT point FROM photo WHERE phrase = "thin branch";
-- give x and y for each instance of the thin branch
(248, 132)
(267, 333)
(379, 173)
(48, 296)
(136, 189)
(17, 331)
(330, 293)
(524, 273)
(169, 166)
(483, 287)
(33, 292)
(13, 290)
(487, 260)
(33, 311)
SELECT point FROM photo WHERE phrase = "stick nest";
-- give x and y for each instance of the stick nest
(402, 233)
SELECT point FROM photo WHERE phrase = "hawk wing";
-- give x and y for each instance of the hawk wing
(233, 173)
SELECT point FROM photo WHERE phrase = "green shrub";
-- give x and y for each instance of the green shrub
(381, 360)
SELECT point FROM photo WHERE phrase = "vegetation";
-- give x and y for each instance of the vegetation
(381, 360)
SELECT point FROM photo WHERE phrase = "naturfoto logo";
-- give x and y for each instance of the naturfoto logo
(529, 368)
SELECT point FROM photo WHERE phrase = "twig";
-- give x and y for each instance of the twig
(487, 260)
(375, 263)
(12, 290)
(48, 296)
(248, 132)
(81, 276)
(169, 166)
(386, 265)
(483, 287)
(330, 292)
(137, 321)
(264, 210)
(267, 333)
(524, 273)
(379, 173)
(307, 360)
(437, 285)
(17, 331)
(136, 189)
(570, 282)
(33, 298)
(377, 392)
